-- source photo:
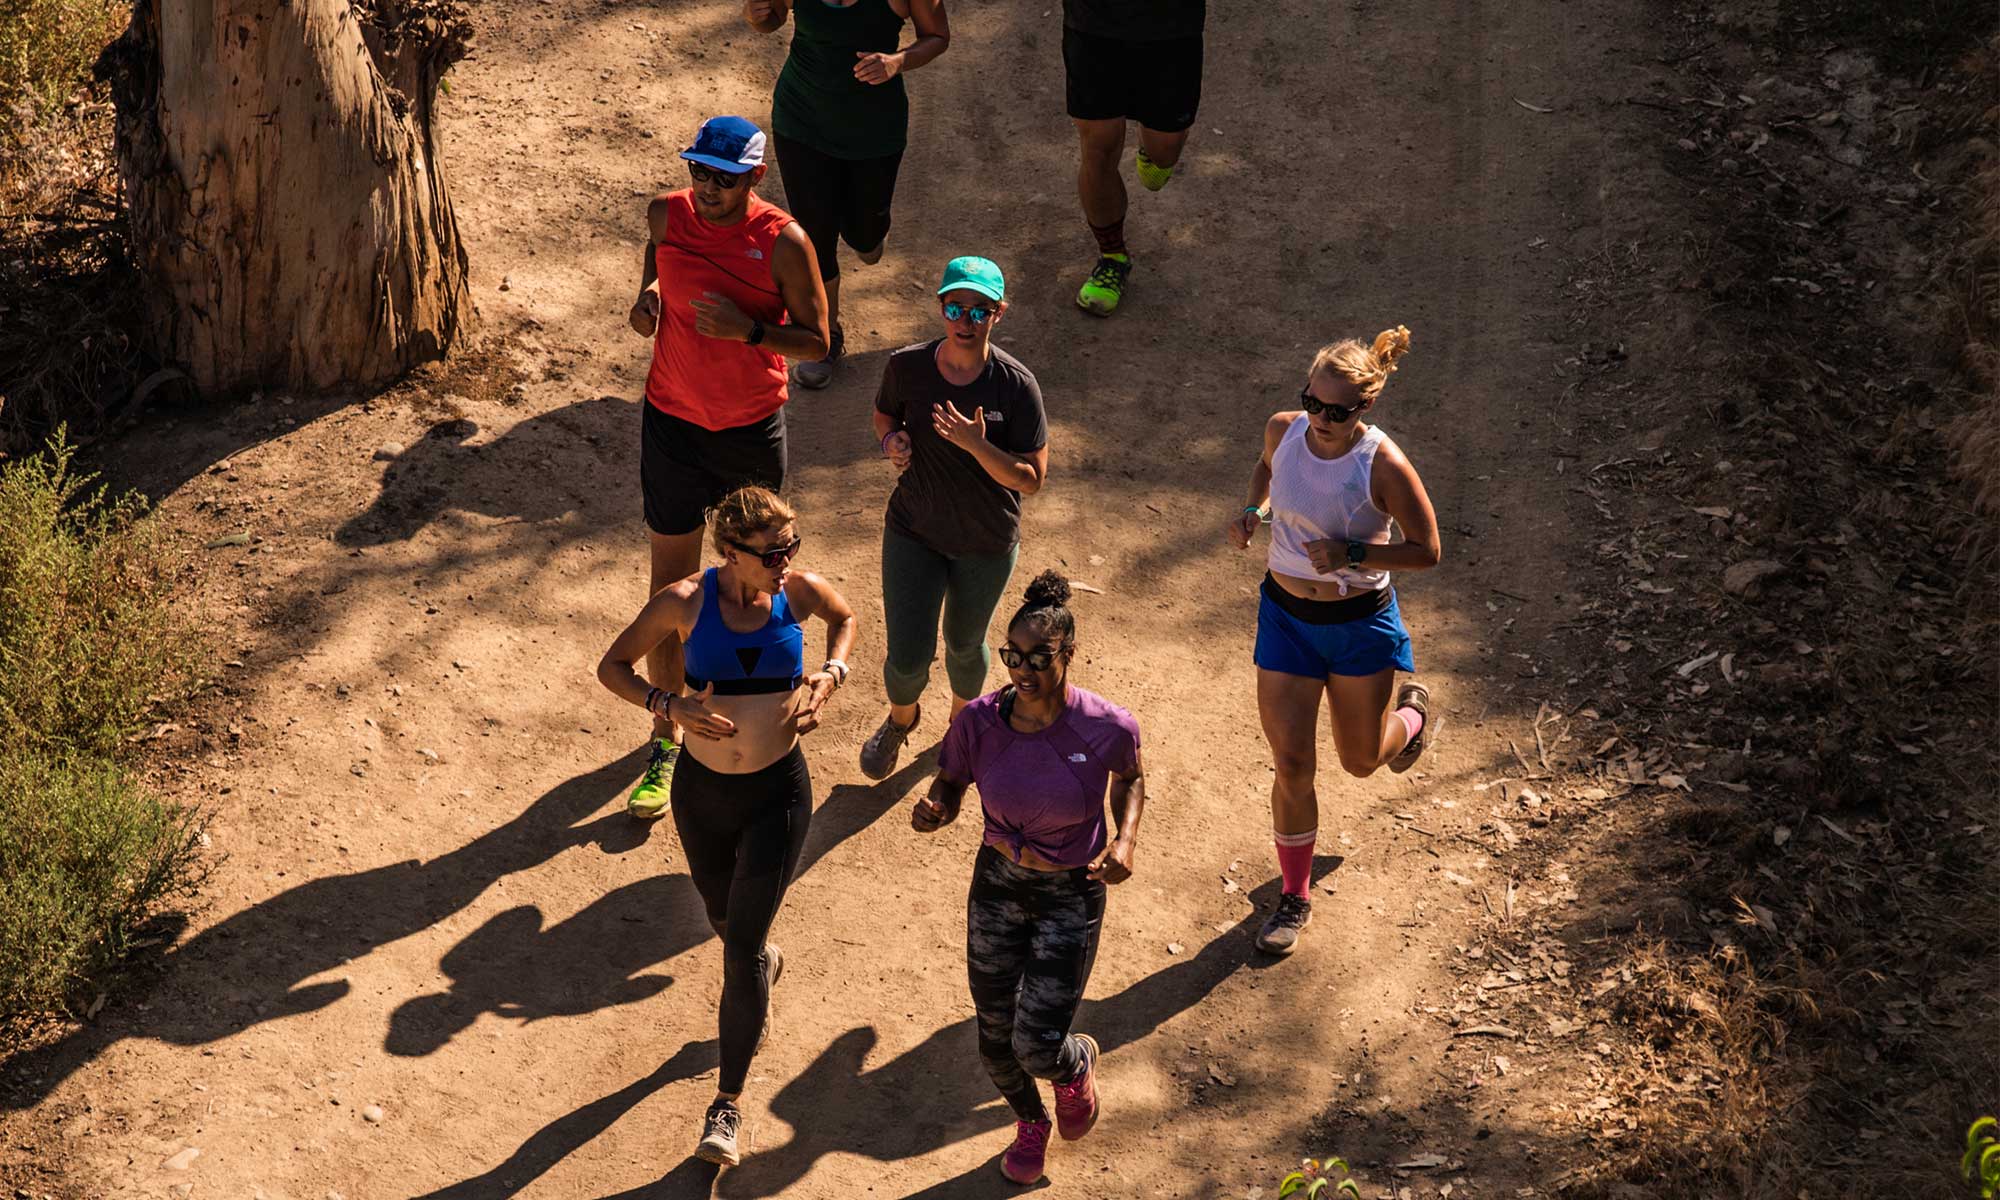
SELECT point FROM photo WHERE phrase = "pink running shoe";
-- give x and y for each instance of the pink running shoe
(1023, 1161)
(1076, 1101)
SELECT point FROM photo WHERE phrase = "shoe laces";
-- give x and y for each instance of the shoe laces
(1109, 273)
(1291, 910)
(723, 1119)
(656, 766)
(1031, 1136)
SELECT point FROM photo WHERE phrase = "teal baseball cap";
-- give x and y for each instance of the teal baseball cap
(974, 274)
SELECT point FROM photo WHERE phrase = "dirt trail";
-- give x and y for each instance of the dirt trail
(431, 900)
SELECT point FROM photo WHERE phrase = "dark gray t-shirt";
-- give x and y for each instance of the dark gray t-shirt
(946, 500)
(1136, 20)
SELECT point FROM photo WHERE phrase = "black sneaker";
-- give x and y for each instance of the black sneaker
(885, 745)
(1280, 934)
(774, 968)
(718, 1134)
(817, 373)
(1415, 695)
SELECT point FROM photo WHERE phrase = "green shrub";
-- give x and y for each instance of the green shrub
(96, 634)
(47, 49)
(1981, 1164)
(93, 631)
(85, 857)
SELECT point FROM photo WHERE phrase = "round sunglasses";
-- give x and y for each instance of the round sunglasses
(1041, 658)
(1315, 406)
(979, 315)
(775, 557)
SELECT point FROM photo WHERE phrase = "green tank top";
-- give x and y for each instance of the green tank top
(818, 100)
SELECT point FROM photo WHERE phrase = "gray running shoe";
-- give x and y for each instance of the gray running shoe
(817, 373)
(1280, 934)
(885, 745)
(1415, 695)
(718, 1134)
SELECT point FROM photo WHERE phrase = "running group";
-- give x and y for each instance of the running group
(742, 301)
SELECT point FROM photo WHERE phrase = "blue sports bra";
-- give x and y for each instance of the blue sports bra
(770, 659)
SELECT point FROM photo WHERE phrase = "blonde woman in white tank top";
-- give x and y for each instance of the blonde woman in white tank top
(1347, 510)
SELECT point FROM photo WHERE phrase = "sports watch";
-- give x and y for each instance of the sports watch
(1357, 553)
(756, 332)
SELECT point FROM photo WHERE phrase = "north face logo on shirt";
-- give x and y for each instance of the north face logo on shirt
(1077, 758)
(753, 252)
(991, 417)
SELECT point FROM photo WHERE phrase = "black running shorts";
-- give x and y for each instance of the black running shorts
(685, 469)
(1156, 83)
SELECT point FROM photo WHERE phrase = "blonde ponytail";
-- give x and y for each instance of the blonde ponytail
(1366, 367)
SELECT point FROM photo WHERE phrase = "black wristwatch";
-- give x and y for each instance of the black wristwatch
(756, 332)
(1357, 553)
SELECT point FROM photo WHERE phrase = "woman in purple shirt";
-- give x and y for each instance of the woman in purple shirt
(1043, 754)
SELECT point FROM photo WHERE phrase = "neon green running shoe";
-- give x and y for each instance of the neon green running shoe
(1101, 293)
(648, 801)
(1152, 174)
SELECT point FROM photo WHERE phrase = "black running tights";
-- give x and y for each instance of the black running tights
(742, 835)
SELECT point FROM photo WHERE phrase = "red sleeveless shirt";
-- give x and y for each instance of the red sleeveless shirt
(716, 383)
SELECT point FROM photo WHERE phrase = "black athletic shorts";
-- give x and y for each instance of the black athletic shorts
(685, 469)
(1156, 83)
(837, 199)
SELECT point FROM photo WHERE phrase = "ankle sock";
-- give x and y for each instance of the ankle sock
(1295, 860)
(1412, 721)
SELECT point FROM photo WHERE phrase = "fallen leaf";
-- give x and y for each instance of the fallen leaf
(227, 539)
(1534, 108)
(1746, 577)
(1720, 514)
(1499, 1031)
(1422, 1162)
(1781, 835)
(1695, 664)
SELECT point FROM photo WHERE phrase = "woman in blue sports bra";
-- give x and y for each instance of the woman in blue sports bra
(742, 797)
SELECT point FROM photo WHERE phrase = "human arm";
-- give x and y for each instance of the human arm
(1023, 473)
(933, 39)
(940, 807)
(888, 419)
(645, 315)
(671, 610)
(810, 596)
(796, 274)
(1244, 523)
(766, 16)
(1128, 804)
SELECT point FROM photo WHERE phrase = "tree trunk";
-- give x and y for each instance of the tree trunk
(289, 214)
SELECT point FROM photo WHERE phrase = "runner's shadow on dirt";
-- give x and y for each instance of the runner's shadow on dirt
(936, 1094)
(556, 1141)
(253, 966)
(539, 470)
(849, 809)
(514, 968)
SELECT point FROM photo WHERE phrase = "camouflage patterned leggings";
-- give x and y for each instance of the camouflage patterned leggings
(1030, 940)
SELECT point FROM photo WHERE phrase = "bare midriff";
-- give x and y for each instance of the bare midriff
(1313, 589)
(766, 730)
(1026, 857)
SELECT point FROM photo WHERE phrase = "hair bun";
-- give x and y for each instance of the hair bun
(1048, 590)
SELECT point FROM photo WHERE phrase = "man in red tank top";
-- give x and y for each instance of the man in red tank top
(730, 289)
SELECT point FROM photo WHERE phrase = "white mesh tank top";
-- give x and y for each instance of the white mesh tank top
(1314, 498)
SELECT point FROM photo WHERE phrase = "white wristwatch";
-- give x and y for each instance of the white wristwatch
(837, 669)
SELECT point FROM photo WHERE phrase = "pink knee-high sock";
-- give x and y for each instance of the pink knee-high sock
(1295, 860)
(1412, 721)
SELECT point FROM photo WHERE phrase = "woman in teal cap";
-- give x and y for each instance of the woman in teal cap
(962, 422)
(839, 120)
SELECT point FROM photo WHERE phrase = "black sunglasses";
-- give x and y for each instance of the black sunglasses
(1315, 406)
(721, 179)
(1041, 658)
(775, 557)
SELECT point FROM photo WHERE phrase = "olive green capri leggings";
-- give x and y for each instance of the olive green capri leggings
(918, 582)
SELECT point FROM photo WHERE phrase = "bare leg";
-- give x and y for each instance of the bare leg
(1289, 708)
(1365, 732)
(1098, 183)
(1163, 148)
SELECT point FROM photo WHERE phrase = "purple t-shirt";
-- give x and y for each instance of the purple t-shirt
(1043, 790)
